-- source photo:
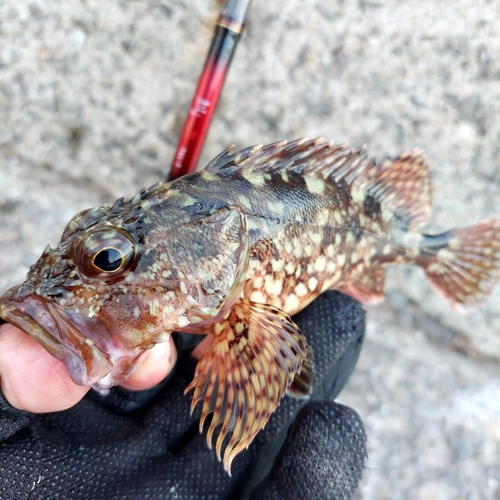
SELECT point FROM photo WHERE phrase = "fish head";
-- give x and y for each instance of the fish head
(118, 283)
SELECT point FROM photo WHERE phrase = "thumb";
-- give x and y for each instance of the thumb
(322, 458)
(31, 379)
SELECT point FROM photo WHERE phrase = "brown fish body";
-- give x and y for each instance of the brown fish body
(306, 234)
(233, 251)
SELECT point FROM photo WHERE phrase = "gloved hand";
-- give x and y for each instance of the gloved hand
(131, 445)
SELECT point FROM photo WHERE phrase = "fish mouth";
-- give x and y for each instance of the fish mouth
(86, 345)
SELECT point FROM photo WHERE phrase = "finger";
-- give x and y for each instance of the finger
(200, 349)
(334, 326)
(154, 368)
(32, 379)
(329, 438)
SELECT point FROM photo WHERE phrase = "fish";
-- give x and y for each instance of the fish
(234, 251)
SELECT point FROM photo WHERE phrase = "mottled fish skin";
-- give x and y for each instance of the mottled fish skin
(233, 251)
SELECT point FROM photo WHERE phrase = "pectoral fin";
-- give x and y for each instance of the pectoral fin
(302, 385)
(252, 360)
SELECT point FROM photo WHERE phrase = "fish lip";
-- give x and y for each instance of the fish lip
(54, 329)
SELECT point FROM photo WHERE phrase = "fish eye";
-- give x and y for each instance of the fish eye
(108, 259)
(106, 253)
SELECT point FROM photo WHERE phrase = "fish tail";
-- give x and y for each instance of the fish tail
(463, 264)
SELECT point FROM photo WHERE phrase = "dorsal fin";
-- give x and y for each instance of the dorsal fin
(278, 155)
(402, 185)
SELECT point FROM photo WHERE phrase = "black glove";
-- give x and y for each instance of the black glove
(131, 445)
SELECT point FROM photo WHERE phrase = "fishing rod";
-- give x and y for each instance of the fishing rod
(225, 39)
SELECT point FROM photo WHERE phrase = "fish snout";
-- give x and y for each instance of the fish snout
(45, 322)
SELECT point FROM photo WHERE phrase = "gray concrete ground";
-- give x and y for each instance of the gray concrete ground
(92, 98)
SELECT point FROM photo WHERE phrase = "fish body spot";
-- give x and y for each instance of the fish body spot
(315, 185)
(258, 296)
(331, 267)
(187, 200)
(349, 238)
(277, 265)
(258, 282)
(245, 201)
(254, 178)
(208, 176)
(320, 264)
(322, 217)
(297, 248)
(316, 238)
(308, 250)
(298, 271)
(272, 286)
(358, 195)
(276, 207)
(154, 308)
(301, 290)
(339, 217)
(330, 250)
(291, 303)
(312, 284)
(290, 268)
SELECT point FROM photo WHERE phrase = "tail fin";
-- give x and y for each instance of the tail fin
(465, 270)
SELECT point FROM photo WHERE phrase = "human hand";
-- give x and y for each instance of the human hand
(33, 380)
(132, 443)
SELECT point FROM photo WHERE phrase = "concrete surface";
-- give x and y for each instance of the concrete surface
(92, 98)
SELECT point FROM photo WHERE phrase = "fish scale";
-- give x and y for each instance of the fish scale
(233, 251)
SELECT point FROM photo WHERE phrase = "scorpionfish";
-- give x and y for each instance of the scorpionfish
(234, 251)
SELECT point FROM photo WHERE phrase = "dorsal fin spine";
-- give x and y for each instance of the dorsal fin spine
(401, 185)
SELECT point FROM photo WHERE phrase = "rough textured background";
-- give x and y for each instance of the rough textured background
(92, 98)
